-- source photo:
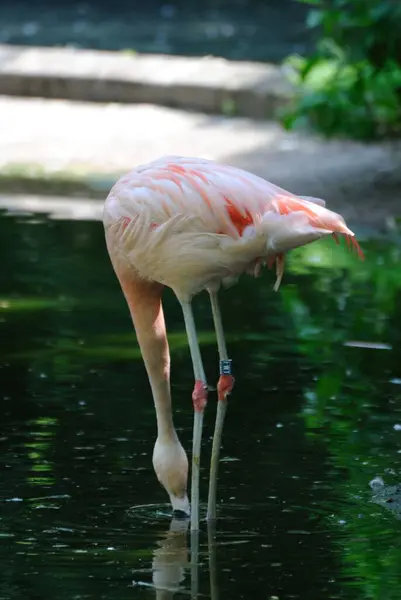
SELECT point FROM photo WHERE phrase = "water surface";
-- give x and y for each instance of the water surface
(240, 29)
(315, 415)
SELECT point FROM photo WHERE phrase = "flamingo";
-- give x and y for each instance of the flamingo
(192, 224)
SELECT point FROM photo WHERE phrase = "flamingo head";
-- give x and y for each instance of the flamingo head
(170, 463)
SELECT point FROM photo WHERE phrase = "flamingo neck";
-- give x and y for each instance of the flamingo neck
(144, 302)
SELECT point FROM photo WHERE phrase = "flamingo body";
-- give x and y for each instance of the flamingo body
(192, 224)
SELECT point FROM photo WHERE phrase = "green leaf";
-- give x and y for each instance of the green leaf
(351, 85)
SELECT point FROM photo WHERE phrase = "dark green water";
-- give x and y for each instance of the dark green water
(235, 29)
(311, 422)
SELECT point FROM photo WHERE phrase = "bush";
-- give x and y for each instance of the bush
(351, 85)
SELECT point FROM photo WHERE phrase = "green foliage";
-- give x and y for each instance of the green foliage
(351, 85)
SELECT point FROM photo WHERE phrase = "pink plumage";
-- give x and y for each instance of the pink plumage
(193, 224)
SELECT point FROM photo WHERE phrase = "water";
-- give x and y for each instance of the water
(239, 30)
(314, 417)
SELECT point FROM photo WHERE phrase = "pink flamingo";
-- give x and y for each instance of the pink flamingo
(192, 224)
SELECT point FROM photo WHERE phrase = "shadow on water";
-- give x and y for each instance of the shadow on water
(314, 417)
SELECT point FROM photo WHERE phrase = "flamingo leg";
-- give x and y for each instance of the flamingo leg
(199, 398)
(212, 548)
(224, 387)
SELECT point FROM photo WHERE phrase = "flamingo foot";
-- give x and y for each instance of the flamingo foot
(225, 386)
(199, 396)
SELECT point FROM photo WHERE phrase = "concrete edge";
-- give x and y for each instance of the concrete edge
(55, 207)
(209, 84)
(59, 183)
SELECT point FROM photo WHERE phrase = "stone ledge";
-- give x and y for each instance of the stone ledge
(56, 207)
(28, 179)
(210, 85)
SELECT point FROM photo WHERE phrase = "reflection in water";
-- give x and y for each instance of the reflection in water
(170, 560)
(194, 564)
(315, 417)
(212, 549)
